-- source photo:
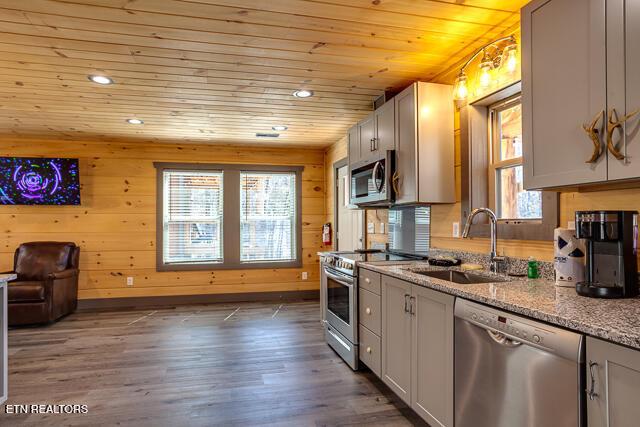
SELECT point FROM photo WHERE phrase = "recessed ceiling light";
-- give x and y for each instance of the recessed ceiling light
(279, 128)
(303, 93)
(135, 121)
(101, 80)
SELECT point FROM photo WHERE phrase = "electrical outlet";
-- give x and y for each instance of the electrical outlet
(305, 275)
(371, 228)
(571, 225)
(129, 281)
(456, 229)
(381, 227)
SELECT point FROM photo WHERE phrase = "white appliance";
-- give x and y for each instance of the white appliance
(569, 257)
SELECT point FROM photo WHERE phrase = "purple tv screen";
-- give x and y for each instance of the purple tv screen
(39, 181)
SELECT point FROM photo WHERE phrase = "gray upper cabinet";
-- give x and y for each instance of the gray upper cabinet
(623, 87)
(396, 336)
(424, 144)
(575, 78)
(613, 381)
(375, 133)
(385, 138)
(367, 134)
(354, 144)
(563, 87)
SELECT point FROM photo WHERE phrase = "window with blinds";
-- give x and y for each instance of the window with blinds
(192, 220)
(267, 216)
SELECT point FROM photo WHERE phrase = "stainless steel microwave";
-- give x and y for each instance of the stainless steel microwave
(371, 180)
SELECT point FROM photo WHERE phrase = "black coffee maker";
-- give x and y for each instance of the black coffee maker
(612, 265)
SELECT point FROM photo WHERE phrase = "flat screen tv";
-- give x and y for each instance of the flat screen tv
(39, 181)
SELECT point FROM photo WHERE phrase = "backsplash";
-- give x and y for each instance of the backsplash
(380, 236)
(515, 265)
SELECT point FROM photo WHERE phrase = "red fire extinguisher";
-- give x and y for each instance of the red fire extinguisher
(326, 233)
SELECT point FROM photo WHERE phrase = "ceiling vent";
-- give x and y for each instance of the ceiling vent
(267, 135)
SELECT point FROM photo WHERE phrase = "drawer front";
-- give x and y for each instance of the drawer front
(369, 280)
(369, 310)
(370, 350)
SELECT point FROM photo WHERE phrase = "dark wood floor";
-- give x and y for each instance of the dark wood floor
(202, 365)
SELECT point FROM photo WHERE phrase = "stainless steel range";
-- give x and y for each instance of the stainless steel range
(339, 297)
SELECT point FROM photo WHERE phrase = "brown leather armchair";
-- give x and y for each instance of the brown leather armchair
(47, 285)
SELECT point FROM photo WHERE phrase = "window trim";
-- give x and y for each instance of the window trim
(230, 215)
(494, 162)
(475, 146)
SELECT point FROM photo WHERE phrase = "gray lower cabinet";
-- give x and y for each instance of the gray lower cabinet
(417, 348)
(432, 356)
(613, 382)
(396, 336)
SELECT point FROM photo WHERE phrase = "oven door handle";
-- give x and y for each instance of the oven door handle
(345, 281)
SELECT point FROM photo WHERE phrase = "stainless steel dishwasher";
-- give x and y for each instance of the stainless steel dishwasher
(511, 371)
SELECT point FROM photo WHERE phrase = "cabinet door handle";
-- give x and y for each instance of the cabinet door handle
(369, 350)
(371, 144)
(394, 183)
(412, 311)
(367, 280)
(406, 303)
(594, 134)
(368, 310)
(591, 390)
(612, 125)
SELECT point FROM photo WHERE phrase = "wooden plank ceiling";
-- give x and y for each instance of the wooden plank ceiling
(222, 70)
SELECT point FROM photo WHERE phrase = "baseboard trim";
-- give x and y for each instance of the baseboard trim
(167, 301)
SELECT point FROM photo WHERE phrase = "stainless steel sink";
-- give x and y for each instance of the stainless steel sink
(460, 277)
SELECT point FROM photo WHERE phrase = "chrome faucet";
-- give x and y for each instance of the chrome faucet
(498, 263)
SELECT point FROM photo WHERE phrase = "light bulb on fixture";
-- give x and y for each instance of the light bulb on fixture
(460, 90)
(512, 57)
(486, 65)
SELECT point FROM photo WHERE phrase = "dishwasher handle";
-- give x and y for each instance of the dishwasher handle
(502, 339)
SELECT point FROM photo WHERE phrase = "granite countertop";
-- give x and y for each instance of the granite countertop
(614, 320)
(7, 277)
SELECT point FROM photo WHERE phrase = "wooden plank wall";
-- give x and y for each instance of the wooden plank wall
(116, 223)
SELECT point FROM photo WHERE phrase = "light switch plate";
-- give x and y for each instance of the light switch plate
(571, 225)
(129, 281)
(371, 228)
(456, 229)
(305, 275)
